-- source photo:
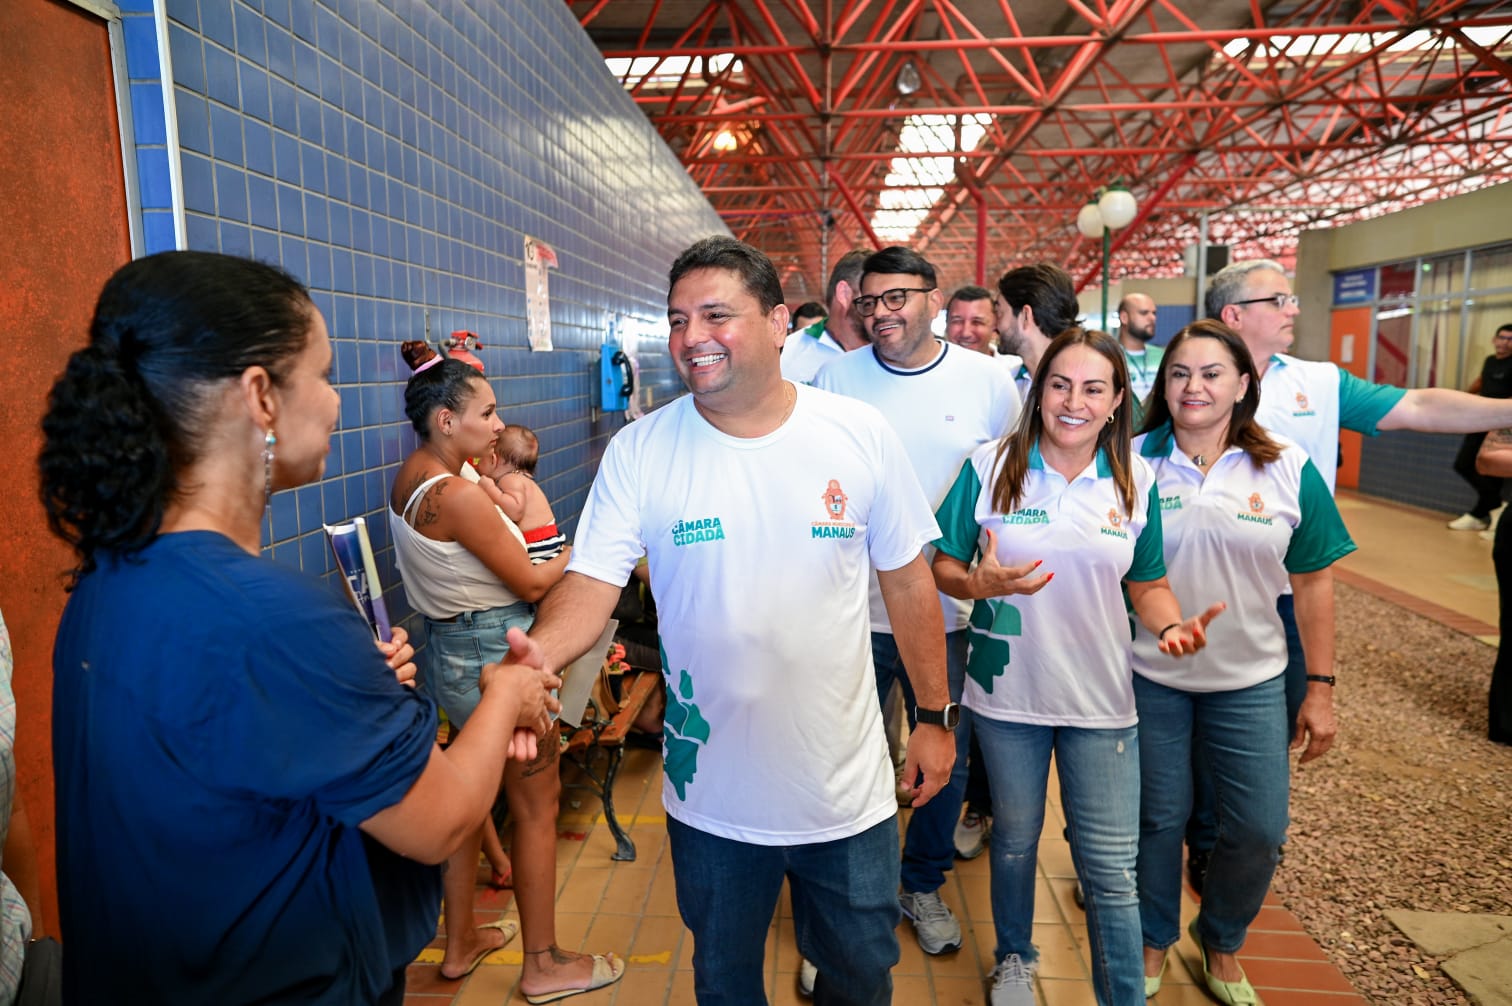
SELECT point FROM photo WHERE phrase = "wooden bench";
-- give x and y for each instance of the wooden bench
(605, 733)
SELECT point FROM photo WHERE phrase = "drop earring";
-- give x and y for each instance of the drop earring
(267, 457)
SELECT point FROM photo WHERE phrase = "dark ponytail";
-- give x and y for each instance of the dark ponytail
(129, 413)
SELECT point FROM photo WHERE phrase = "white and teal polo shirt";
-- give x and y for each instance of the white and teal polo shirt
(1023, 377)
(1060, 657)
(1235, 537)
(805, 351)
(1308, 401)
(759, 551)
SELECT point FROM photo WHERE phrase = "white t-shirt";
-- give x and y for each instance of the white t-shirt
(804, 354)
(1060, 657)
(1235, 537)
(759, 551)
(941, 412)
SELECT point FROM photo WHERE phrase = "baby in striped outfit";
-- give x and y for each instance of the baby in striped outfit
(509, 470)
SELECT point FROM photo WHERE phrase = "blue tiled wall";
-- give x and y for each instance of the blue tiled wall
(1415, 468)
(394, 155)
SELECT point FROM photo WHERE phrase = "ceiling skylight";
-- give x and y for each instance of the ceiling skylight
(915, 184)
(667, 71)
(1302, 46)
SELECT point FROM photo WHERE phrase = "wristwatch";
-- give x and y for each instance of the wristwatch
(947, 717)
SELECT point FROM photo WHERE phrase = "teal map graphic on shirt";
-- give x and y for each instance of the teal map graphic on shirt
(684, 730)
(992, 623)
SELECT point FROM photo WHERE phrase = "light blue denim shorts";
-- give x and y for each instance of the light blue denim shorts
(457, 650)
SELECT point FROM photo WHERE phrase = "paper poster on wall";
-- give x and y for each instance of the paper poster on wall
(538, 258)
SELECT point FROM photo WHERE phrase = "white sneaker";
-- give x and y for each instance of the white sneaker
(1468, 522)
(971, 834)
(933, 921)
(1012, 983)
(807, 975)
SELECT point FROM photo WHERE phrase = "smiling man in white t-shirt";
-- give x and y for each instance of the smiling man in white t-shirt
(762, 505)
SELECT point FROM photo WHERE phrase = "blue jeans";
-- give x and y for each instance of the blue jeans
(456, 651)
(1242, 737)
(1099, 778)
(929, 843)
(845, 908)
(1202, 827)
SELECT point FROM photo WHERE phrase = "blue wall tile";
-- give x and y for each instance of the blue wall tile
(394, 157)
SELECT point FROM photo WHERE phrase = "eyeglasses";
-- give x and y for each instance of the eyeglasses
(1502, 337)
(1281, 301)
(893, 300)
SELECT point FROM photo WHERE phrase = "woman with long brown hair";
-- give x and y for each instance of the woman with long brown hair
(1049, 672)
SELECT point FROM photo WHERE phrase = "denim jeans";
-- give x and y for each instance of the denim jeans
(457, 650)
(845, 910)
(1202, 826)
(929, 843)
(1099, 779)
(1242, 737)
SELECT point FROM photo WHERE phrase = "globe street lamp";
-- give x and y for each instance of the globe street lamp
(1111, 208)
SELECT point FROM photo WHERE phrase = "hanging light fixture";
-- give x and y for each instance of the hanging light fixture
(908, 80)
(725, 141)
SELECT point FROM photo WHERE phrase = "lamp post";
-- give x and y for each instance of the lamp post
(1111, 208)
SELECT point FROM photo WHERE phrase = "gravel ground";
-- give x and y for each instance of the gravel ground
(1412, 809)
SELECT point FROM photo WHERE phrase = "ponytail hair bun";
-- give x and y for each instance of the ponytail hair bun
(131, 410)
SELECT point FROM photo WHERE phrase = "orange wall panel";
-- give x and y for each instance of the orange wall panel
(63, 192)
(1349, 333)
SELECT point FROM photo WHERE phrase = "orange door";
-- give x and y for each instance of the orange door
(62, 196)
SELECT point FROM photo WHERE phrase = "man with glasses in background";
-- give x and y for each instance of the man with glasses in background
(1310, 401)
(943, 401)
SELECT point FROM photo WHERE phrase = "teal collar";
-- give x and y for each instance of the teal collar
(1159, 442)
(1037, 461)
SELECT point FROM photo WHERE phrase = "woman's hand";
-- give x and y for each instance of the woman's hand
(1315, 726)
(989, 578)
(1187, 637)
(399, 655)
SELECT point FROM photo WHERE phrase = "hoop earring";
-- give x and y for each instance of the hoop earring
(267, 458)
(1110, 419)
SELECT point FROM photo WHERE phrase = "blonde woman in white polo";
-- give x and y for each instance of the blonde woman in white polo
(1063, 518)
(1245, 515)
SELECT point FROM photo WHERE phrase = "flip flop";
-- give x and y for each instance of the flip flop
(607, 969)
(509, 927)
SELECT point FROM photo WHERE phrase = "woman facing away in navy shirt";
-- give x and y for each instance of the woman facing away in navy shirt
(248, 795)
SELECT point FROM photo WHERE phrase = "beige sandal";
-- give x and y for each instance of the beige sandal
(509, 927)
(607, 969)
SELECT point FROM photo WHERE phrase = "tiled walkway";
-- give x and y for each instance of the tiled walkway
(630, 908)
